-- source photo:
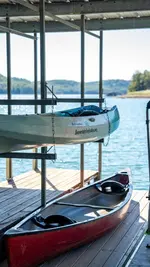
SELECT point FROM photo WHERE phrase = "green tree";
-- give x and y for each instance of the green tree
(146, 79)
(137, 82)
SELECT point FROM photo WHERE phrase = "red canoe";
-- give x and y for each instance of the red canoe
(69, 221)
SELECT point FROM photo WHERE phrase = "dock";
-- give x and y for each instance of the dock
(141, 255)
(113, 249)
(20, 195)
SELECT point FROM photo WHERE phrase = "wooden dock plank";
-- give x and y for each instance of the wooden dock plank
(97, 252)
(108, 244)
(22, 176)
(141, 257)
(95, 247)
(61, 186)
(22, 193)
(28, 197)
(122, 246)
(117, 246)
(125, 225)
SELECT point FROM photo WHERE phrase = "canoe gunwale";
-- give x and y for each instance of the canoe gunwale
(57, 115)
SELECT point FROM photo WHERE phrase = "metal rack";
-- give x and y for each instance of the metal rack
(44, 100)
(148, 146)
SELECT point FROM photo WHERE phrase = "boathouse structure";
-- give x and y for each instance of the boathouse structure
(30, 19)
(23, 17)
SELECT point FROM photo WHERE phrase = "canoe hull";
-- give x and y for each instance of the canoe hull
(29, 244)
(18, 132)
(50, 244)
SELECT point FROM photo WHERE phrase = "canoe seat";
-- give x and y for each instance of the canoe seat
(112, 187)
(52, 221)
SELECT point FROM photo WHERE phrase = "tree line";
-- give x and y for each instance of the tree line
(140, 81)
(23, 86)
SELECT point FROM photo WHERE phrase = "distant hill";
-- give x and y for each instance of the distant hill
(23, 86)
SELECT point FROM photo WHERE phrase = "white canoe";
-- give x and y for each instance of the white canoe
(74, 126)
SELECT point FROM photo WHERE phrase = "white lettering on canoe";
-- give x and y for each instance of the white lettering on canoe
(85, 131)
(77, 124)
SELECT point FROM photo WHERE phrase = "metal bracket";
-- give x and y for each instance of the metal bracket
(48, 101)
(6, 29)
(99, 141)
(18, 155)
(80, 100)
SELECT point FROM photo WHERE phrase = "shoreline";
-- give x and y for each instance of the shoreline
(139, 94)
(133, 96)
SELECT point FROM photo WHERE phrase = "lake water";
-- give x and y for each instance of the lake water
(127, 146)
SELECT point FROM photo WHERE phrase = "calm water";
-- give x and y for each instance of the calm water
(127, 146)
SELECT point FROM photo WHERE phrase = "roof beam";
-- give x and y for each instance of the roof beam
(54, 17)
(77, 7)
(110, 24)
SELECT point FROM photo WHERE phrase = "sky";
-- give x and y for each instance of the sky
(124, 52)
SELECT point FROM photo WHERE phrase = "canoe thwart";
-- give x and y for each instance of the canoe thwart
(85, 205)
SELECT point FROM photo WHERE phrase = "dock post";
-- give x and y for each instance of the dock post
(8, 55)
(43, 95)
(148, 146)
(100, 96)
(82, 93)
(34, 161)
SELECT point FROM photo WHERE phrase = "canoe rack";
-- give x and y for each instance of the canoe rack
(17, 155)
(43, 92)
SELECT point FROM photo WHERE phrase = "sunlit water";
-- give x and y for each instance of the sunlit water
(127, 146)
